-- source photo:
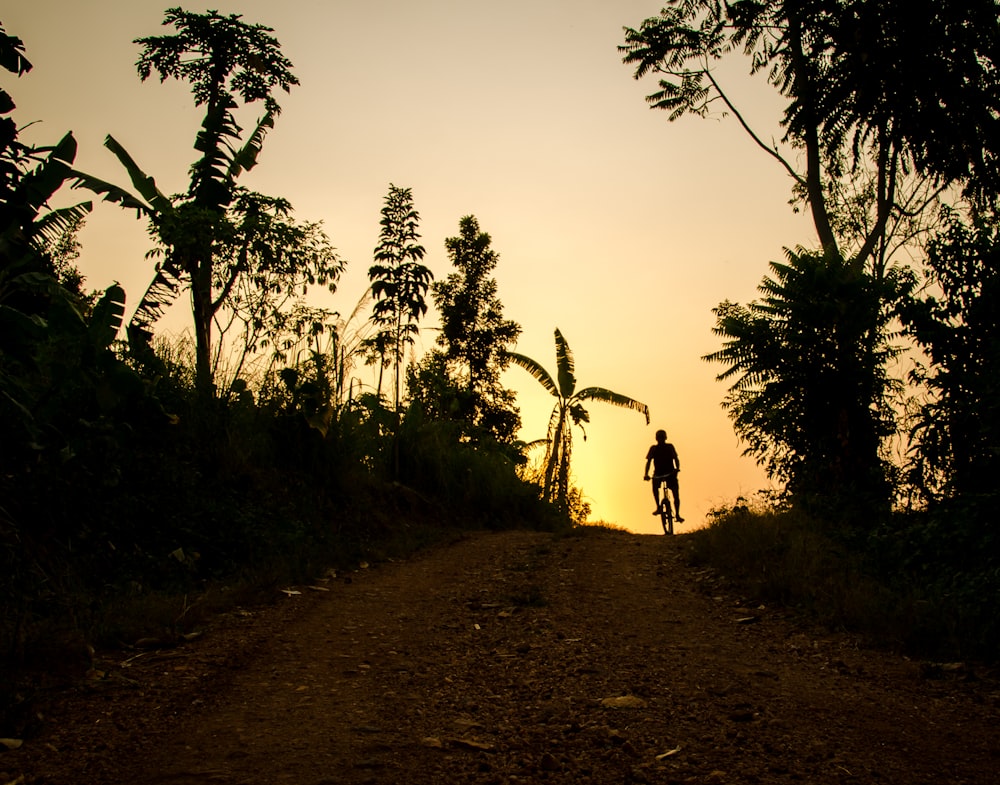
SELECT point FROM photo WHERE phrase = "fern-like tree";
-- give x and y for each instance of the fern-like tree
(459, 379)
(567, 412)
(399, 283)
(809, 394)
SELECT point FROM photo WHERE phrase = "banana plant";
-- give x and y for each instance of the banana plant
(107, 317)
(29, 177)
(567, 412)
(151, 203)
(222, 58)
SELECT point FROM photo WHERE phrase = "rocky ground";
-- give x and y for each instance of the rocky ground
(515, 658)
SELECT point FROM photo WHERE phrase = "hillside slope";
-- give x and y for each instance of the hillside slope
(514, 658)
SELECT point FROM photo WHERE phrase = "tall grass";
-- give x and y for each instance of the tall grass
(783, 557)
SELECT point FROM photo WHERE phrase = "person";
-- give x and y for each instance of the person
(666, 464)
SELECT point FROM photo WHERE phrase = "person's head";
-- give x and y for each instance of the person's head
(661, 436)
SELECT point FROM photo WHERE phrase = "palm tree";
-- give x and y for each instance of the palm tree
(567, 412)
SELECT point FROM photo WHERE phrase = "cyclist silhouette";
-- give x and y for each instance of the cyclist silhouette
(666, 464)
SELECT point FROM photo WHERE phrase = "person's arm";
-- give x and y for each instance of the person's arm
(649, 460)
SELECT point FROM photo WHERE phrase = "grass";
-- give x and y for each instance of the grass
(783, 558)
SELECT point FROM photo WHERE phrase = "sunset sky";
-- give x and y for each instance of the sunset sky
(621, 229)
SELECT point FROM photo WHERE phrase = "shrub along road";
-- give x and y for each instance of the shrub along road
(517, 658)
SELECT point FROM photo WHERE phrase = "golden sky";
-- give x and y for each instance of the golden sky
(621, 229)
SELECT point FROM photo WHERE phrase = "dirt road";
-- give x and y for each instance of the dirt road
(518, 658)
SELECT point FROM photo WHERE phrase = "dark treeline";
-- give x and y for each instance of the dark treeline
(865, 377)
(137, 473)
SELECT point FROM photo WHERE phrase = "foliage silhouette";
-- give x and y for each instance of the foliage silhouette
(887, 104)
(218, 236)
(892, 83)
(460, 378)
(809, 394)
(958, 426)
(567, 412)
(108, 500)
(399, 283)
(68, 404)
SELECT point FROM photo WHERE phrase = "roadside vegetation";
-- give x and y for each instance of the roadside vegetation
(145, 481)
(900, 591)
(864, 377)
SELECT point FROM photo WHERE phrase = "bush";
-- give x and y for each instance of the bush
(782, 557)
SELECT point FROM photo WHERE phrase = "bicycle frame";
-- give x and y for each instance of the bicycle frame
(666, 510)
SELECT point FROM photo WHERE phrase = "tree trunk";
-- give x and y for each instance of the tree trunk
(201, 308)
(555, 455)
(814, 169)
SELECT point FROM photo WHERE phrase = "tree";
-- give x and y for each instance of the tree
(809, 391)
(567, 412)
(958, 427)
(888, 104)
(399, 283)
(264, 261)
(898, 84)
(209, 234)
(460, 379)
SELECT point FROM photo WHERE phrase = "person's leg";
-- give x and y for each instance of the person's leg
(675, 488)
(656, 495)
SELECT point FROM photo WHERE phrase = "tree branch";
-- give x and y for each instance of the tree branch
(773, 152)
(885, 197)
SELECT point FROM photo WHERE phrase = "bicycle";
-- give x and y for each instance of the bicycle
(665, 509)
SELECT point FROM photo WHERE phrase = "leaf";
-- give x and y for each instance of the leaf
(144, 184)
(624, 702)
(159, 295)
(12, 57)
(565, 366)
(471, 744)
(53, 224)
(321, 420)
(536, 370)
(615, 399)
(38, 186)
(111, 193)
(107, 318)
(245, 158)
(65, 149)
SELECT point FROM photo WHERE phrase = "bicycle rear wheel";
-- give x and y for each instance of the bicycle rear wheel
(666, 512)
